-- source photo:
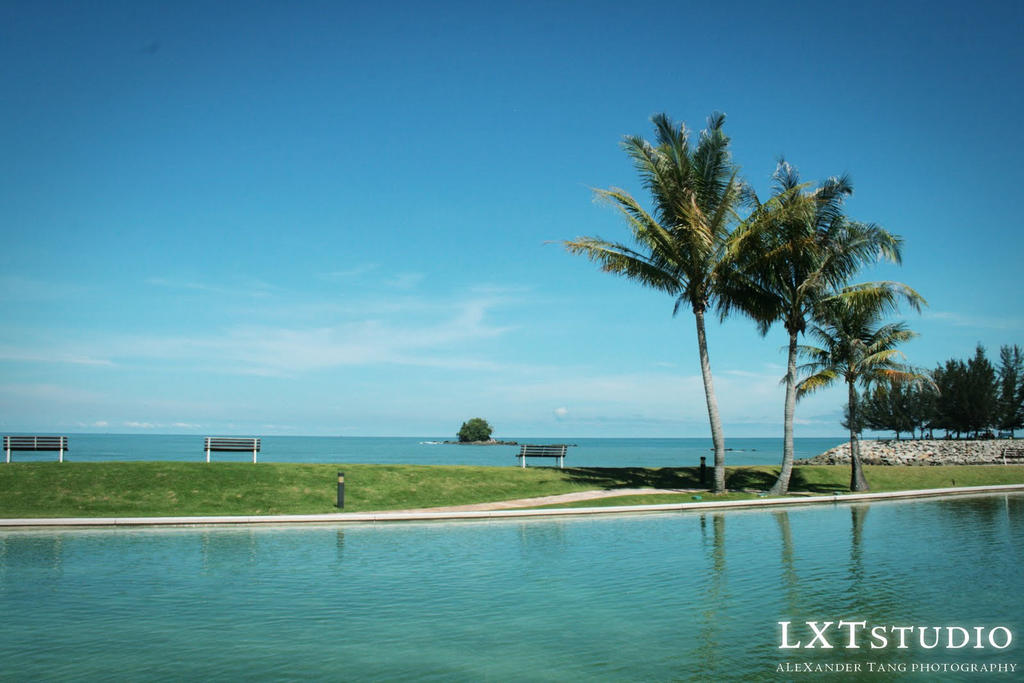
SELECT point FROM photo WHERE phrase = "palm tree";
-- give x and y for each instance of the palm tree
(793, 251)
(681, 241)
(856, 347)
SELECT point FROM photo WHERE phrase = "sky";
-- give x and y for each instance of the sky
(336, 218)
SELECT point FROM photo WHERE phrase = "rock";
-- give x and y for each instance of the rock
(490, 442)
(915, 452)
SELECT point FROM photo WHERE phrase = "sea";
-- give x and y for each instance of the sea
(584, 452)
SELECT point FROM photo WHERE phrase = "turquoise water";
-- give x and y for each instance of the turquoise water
(420, 451)
(682, 596)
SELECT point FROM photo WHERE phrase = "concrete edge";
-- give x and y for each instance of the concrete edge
(355, 517)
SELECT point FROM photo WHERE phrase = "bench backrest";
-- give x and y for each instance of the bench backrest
(217, 443)
(536, 451)
(35, 443)
(1013, 452)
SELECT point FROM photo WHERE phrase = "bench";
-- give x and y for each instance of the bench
(551, 451)
(36, 443)
(237, 445)
(1015, 455)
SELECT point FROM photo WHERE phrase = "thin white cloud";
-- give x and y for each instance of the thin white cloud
(744, 373)
(743, 397)
(17, 394)
(250, 287)
(183, 284)
(1008, 322)
(25, 356)
(352, 273)
(21, 289)
(440, 341)
(405, 280)
(500, 290)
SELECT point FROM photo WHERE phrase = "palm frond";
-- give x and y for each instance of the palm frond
(883, 296)
(816, 382)
(621, 260)
(645, 228)
(681, 235)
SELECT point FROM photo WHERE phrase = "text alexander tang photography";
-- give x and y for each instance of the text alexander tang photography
(860, 647)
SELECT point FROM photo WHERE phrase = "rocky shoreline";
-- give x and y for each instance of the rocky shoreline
(490, 442)
(918, 452)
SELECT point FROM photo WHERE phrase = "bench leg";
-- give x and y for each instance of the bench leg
(207, 455)
(60, 455)
(254, 456)
(8, 456)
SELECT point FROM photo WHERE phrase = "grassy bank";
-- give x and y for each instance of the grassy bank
(177, 488)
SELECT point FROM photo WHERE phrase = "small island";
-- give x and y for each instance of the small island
(476, 431)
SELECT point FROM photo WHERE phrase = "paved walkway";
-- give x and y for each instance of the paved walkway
(450, 514)
(549, 500)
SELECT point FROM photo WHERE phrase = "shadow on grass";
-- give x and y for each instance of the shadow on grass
(638, 477)
(756, 478)
(762, 478)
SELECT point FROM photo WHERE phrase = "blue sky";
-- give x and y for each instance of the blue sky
(337, 218)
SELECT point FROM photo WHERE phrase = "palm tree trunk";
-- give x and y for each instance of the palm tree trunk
(717, 440)
(857, 480)
(781, 485)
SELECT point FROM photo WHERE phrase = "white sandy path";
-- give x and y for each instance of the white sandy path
(550, 500)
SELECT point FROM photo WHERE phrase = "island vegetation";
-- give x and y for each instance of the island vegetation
(475, 429)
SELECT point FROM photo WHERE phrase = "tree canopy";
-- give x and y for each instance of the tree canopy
(1010, 410)
(793, 252)
(475, 429)
(680, 242)
(856, 347)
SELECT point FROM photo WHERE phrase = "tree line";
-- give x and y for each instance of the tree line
(716, 247)
(965, 398)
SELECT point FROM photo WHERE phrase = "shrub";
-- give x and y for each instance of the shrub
(475, 429)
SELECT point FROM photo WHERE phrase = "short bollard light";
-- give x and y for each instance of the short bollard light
(341, 489)
(703, 470)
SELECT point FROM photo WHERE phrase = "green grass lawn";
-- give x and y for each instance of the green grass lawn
(818, 480)
(176, 488)
(145, 489)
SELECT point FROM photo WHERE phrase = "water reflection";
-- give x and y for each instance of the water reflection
(790, 579)
(715, 597)
(666, 597)
(540, 538)
(20, 552)
(858, 513)
(220, 548)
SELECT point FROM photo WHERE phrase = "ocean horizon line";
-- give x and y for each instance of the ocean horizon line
(451, 438)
